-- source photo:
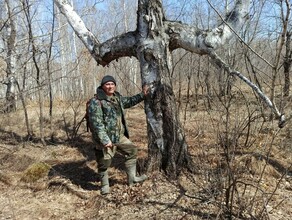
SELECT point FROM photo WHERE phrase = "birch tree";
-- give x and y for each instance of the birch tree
(9, 39)
(152, 43)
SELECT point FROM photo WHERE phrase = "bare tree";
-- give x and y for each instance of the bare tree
(285, 7)
(152, 43)
(9, 39)
(27, 10)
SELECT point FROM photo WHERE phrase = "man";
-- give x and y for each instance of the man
(109, 130)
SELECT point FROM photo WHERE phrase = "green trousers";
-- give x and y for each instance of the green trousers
(125, 147)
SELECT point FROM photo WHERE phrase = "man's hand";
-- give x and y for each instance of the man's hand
(145, 89)
(109, 144)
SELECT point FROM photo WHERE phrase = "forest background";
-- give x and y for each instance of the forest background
(243, 158)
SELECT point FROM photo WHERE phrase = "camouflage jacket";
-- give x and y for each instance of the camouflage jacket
(103, 116)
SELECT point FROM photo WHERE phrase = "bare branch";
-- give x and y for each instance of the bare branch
(103, 53)
(240, 39)
(186, 37)
(114, 48)
(77, 24)
(200, 41)
(285, 20)
(233, 22)
(226, 67)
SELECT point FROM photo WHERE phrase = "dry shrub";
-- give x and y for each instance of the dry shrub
(259, 168)
(15, 162)
(5, 179)
(258, 165)
(35, 172)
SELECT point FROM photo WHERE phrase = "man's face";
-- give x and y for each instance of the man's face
(109, 88)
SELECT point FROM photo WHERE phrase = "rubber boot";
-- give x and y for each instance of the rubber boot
(131, 173)
(105, 189)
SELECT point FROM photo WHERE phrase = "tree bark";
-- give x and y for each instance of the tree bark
(152, 43)
(26, 8)
(10, 81)
(285, 14)
(167, 145)
(287, 64)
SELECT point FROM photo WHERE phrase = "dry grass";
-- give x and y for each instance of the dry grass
(59, 181)
(35, 172)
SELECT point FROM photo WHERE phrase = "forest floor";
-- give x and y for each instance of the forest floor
(59, 180)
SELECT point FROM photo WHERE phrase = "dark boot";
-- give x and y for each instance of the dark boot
(131, 173)
(105, 189)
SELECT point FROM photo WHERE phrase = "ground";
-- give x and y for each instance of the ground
(59, 180)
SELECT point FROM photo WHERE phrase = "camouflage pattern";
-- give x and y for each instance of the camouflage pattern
(125, 147)
(107, 118)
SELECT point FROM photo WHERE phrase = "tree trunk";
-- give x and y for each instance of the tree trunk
(28, 127)
(152, 44)
(167, 145)
(26, 8)
(10, 93)
(287, 64)
(10, 30)
(285, 14)
(49, 57)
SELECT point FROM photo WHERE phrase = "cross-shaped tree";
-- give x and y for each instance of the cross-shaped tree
(152, 44)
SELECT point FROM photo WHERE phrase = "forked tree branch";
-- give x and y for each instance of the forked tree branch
(179, 35)
(237, 35)
(114, 48)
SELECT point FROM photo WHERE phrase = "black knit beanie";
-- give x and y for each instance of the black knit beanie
(106, 79)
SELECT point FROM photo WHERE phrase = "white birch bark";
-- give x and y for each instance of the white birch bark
(10, 59)
(77, 24)
(78, 83)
